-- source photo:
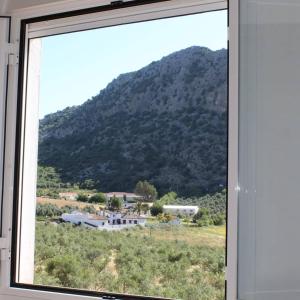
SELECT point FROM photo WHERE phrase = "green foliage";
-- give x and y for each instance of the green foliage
(204, 221)
(156, 209)
(50, 193)
(89, 209)
(131, 262)
(97, 198)
(168, 198)
(115, 203)
(51, 210)
(47, 177)
(212, 209)
(146, 190)
(82, 197)
(47, 210)
(65, 268)
(87, 184)
(176, 139)
(165, 218)
(216, 203)
(218, 219)
(203, 212)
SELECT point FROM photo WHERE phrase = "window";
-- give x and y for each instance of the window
(42, 174)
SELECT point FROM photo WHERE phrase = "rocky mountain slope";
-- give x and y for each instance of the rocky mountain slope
(165, 123)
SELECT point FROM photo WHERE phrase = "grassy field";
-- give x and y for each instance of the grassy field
(179, 262)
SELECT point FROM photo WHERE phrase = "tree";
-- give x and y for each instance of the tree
(168, 198)
(115, 203)
(156, 209)
(145, 208)
(97, 198)
(146, 190)
(202, 217)
(47, 177)
(88, 184)
(82, 198)
(218, 219)
(138, 207)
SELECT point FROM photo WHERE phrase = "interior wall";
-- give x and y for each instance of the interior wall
(269, 164)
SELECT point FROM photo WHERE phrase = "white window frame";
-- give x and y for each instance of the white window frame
(161, 9)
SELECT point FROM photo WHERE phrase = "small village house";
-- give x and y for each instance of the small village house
(104, 220)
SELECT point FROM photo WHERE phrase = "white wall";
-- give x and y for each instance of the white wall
(269, 202)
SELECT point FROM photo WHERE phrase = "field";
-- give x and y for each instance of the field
(62, 202)
(178, 262)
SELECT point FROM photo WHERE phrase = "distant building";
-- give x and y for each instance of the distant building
(126, 197)
(184, 210)
(68, 195)
(103, 220)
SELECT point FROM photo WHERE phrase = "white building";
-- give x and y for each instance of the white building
(126, 197)
(108, 221)
(185, 210)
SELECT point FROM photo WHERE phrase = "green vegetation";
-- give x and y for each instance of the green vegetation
(174, 138)
(146, 190)
(212, 208)
(51, 210)
(174, 150)
(82, 197)
(156, 209)
(97, 198)
(169, 261)
(47, 178)
(167, 199)
(115, 203)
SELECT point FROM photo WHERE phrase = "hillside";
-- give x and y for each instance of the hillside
(165, 123)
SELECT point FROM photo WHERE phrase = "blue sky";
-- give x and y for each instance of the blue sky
(77, 66)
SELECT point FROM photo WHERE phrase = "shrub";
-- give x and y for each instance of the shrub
(82, 198)
(203, 212)
(89, 209)
(218, 219)
(156, 210)
(47, 210)
(204, 221)
(97, 198)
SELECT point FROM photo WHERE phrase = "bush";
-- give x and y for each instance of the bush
(203, 212)
(218, 219)
(82, 198)
(89, 209)
(155, 210)
(47, 210)
(65, 268)
(50, 193)
(75, 257)
(204, 221)
(97, 198)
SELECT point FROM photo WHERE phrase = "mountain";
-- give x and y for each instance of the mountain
(165, 123)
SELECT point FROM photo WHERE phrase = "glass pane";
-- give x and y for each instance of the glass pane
(132, 159)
